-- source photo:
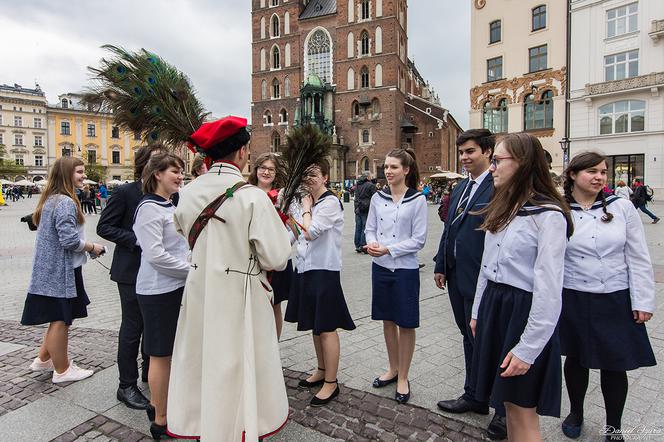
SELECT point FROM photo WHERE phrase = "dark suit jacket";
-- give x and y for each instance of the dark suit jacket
(469, 240)
(115, 225)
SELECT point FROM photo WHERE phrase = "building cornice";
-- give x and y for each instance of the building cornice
(653, 80)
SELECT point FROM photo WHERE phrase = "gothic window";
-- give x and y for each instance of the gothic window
(379, 8)
(365, 10)
(351, 79)
(356, 109)
(319, 56)
(264, 90)
(275, 25)
(262, 27)
(351, 45)
(283, 116)
(495, 119)
(364, 38)
(539, 114)
(276, 142)
(379, 40)
(275, 2)
(287, 55)
(267, 117)
(262, 61)
(379, 75)
(351, 11)
(276, 89)
(287, 87)
(276, 58)
(286, 23)
(364, 164)
(364, 75)
(375, 107)
(366, 137)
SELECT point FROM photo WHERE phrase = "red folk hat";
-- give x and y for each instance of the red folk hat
(222, 137)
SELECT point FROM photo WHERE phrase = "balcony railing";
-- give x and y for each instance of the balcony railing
(651, 80)
(657, 31)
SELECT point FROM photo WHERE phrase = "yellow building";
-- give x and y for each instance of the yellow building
(75, 130)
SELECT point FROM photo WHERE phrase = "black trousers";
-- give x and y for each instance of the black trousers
(462, 307)
(129, 338)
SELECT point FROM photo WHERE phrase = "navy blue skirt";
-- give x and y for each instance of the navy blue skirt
(502, 318)
(599, 330)
(160, 321)
(316, 302)
(395, 296)
(281, 283)
(39, 309)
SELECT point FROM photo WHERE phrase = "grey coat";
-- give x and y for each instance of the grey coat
(58, 242)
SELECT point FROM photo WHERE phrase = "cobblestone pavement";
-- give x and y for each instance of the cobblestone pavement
(437, 371)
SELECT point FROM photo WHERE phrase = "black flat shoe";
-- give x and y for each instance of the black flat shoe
(157, 431)
(132, 398)
(318, 402)
(402, 398)
(463, 405)
(379, 383)
(571, 426)
(497, 429)
(306, 384)
(151, 412)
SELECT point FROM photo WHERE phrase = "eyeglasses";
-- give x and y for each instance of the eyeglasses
(496, 160)
(269, 170)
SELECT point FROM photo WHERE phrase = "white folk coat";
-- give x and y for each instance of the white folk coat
(226, 376)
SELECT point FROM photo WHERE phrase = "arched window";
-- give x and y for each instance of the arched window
(276, 58)
(267, 117)
(539, 17)
(365, 10)
(283, 116)
(539, 114)
(379, 40)
(351, 11)
(287, 23)
(263, 27)
(356, 109)
(351, 79)
(364, 45)
(287, 55)
(364, 164)
(351, 45)
(378, 76)
(402, 48)
(319, 55)
(65, 103)
(275, 2)
(364, 75)
(366, 138)
(263, 61)
(275, 26)
(495, 119)
(287, 87)
(622, 116)
(375, 107)
(276, 89)
(276, 142)
(264, 90)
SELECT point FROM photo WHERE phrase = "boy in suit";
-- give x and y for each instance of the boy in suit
(460, 256)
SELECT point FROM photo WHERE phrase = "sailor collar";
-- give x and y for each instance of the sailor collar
(596, 205)
(411, 194)
(327, 194)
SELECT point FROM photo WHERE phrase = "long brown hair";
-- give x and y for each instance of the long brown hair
(60, 181)
(531, 183)
(158, 162)
(280, 169)
(583, 161)
(408, 159)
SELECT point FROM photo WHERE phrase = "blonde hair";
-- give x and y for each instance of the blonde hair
(60, 181)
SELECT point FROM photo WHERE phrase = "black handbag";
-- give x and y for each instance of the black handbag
(31, 224)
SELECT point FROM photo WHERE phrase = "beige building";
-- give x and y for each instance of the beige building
(518, 69)
(23, 130)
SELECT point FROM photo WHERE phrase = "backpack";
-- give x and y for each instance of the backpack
(648, 193)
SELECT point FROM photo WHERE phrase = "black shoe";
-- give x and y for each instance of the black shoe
(318, 402)
(151, 412)
(306, 384)
(132, 398)
(571, 426)
(462, 405)
(379, 383)
(157, 431)
(497, 429)
(402, 398)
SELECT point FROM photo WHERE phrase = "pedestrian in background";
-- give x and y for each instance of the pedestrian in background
(396, 231)
(56, 295)
(641, 197)
(116, 225)
(623, 191)
(103, 195)
(316, 300)
(608, 295)
(198, 166)
(364, 190)
(516, 359)
(161, 276)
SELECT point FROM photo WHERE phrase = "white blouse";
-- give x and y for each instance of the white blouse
(400, 226)
(607, 257)
(529, 254)
(323, 251)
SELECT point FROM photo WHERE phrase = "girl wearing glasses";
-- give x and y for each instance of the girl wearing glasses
(609, 293)
(516, 359)
(268, 174)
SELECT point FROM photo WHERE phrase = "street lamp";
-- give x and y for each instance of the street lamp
(564, 145)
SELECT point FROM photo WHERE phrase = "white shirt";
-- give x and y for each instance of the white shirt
(323, 251)
(607, 257)
(478, 183)
(623, 192)
(400, 226)
(164, 252)
(529, 254)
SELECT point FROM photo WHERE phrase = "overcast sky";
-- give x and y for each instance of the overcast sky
(52, 43)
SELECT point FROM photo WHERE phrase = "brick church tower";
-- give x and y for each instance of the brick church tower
(344, 66)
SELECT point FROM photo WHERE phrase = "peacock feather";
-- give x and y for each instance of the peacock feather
(146, 95)
(305, 147)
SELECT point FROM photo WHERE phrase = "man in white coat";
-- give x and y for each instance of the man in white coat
(226, 351)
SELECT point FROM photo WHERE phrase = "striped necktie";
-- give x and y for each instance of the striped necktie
(461, 209)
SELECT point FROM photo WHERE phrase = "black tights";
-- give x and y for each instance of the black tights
(614, 390)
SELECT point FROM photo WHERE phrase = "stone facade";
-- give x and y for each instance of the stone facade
(344, 66)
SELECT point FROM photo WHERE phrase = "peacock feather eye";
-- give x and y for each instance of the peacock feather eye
(156, 109)
(154, 136)
(133, 110)
(138, 90)
(151, 80)
(121, 69)
(152, 60)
